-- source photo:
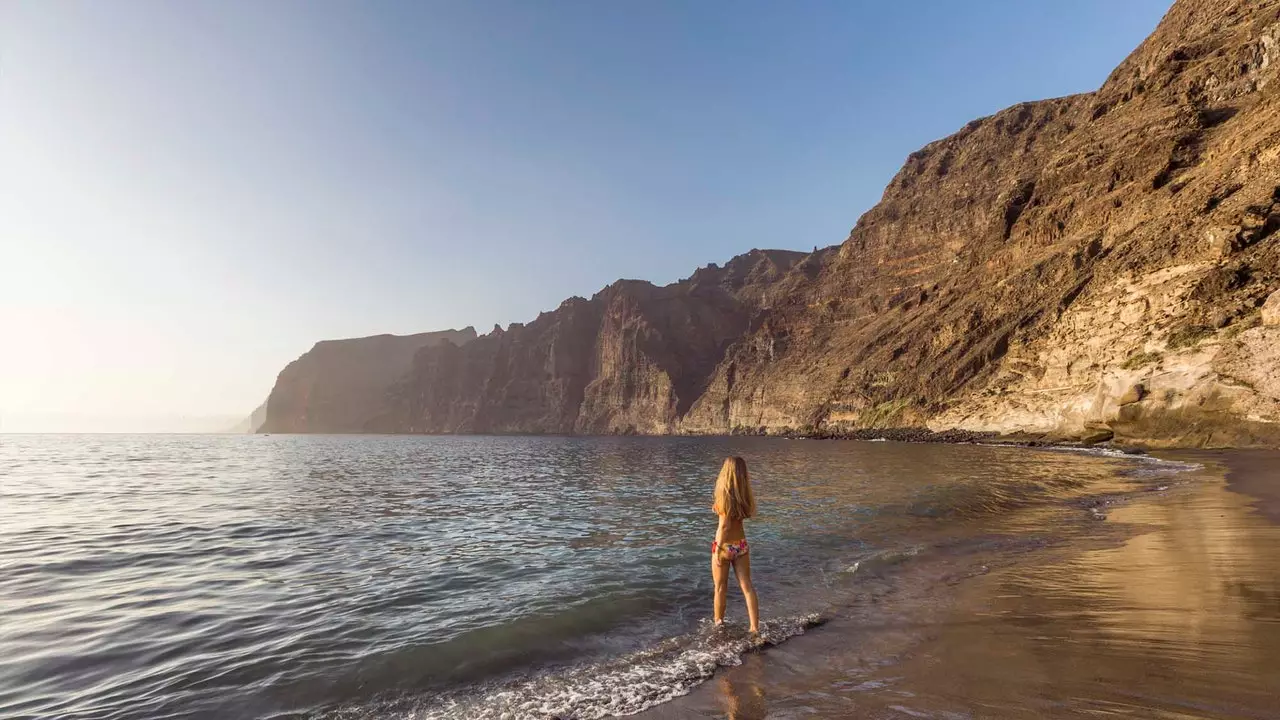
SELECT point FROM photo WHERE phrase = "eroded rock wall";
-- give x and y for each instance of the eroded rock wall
(1026, 273)
(340, 386)
(631, 359)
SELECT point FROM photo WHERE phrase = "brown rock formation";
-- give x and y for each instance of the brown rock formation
(1271, 310)
(632, 359)
(339, 386)
(1022, 275)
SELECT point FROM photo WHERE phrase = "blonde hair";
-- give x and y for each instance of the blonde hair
(733, 491)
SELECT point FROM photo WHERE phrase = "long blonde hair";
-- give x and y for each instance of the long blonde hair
(733, 490)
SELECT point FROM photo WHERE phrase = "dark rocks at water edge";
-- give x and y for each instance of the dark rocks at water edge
(901, 434)
(953, 437)
(1102, 267)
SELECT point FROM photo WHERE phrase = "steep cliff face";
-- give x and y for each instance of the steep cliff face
(1085, 265)
(1165, 342)
(632, 359)
(1090, 266)
(340, 386)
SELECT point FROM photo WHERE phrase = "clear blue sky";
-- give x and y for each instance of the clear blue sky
(192, 193)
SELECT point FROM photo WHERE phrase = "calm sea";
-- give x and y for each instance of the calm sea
(487, 577)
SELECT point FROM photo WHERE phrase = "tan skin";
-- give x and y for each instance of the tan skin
(730, 531)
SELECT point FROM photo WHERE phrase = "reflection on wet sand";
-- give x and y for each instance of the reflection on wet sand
(742, 692)
(1178, 621)
(1184, 618)
(1200, 582)
(1180, 618)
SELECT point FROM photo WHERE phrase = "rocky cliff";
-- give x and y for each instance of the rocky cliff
(1090, 266)
(631, 359)
(339, 386)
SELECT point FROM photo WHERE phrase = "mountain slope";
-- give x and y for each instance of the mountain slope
(1041, 267)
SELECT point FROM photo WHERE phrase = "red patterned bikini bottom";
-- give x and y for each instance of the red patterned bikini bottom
(731, 549)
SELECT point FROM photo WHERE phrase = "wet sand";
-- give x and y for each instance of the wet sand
(1170, 608)
(1256, 473)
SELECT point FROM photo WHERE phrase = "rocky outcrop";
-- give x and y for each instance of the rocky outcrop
(1271, 310)
(1186, 252)
(340, 386)
(631, 359)
(1095, 266)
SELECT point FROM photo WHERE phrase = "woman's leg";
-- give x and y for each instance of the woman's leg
(720, 576)
(742, 568)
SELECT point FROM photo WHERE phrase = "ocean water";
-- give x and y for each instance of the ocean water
(492, 577)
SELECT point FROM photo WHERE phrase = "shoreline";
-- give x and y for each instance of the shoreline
(1174, 571)
(956, 436)
(1101, 437)
(917, 435)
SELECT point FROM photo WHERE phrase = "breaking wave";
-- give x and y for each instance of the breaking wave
(623, 685)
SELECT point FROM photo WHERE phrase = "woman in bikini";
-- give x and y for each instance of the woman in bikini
(734, 503)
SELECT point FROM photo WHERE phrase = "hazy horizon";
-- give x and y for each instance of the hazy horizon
(74, 424)
(193, 194)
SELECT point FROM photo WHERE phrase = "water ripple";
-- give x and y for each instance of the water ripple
(187, 576)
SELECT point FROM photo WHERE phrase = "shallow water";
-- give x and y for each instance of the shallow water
(375, 577)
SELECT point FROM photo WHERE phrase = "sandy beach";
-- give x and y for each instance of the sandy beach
(1168, 608)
